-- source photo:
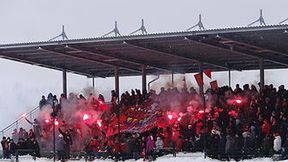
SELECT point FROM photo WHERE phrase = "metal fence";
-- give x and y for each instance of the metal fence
(20, 122)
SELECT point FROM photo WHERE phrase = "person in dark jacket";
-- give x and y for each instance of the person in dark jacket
(237, 148)
(68, 142)
(131, 146)
(221, 146)
(189, 137)
(21, 145)
(266, 146)
(12, 147)
(5, 147)
(42, 102)
(137, 146)
(60, 147)
(247, 144)
(230, 142)
(213, 143)
(35, 147)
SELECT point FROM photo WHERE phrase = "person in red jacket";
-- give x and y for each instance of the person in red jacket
(266, 127)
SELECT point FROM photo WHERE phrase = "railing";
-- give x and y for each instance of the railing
(19, 120)
(22, 118)
(25, 151)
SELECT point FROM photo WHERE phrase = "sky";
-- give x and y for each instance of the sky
(22, 85)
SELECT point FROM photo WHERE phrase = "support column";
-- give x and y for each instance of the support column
(144, 79)
(64, 79)
(116, 73)
(201, 90)
(172, 78)
(261, 66)
(93, 82)
(229, 77)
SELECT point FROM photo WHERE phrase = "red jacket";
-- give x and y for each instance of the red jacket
(266, 128)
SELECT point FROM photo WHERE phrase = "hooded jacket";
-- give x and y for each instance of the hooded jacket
(277, 144)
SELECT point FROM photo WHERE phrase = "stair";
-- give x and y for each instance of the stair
(20, 122)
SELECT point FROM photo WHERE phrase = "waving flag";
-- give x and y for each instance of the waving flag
(199, 79)
(208, 72)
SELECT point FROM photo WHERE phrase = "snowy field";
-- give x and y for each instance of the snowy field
(195, 157)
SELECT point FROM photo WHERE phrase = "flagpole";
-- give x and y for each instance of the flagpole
(54, 114)
(204, 117)
(205, 133)
(119, 106)
(201, 91)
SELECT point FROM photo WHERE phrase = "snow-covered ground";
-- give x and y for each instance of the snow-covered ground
(181, 157)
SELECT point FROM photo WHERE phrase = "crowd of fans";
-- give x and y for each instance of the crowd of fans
(21, 143)
(240, 123)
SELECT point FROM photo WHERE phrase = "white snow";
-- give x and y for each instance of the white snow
(181, 157)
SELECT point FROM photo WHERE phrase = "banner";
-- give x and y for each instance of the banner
(214, 85)
(199, 79)
(208, 72)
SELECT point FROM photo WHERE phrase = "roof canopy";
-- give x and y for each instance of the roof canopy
(178, 52)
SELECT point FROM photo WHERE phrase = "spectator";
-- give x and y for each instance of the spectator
(36, 128)
(55, 101)
(159, 146)
(12, 147)
(50, 99)
(68, 142)
(62, 99)
(230, 143)
(150, 145)
(266, 146)
(31, 134)
(277, 143)
(137, 146)
(42, 102)
(101, 98)
(15, 135)
(238, 90)
(266, 127)
(131, 142)
(5, 148)
(33, 147)
(82, 97)
(60, 147)
(114, 98)
(21, 145)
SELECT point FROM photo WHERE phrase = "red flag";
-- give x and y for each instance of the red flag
(207, 72)
(199, 79)
(214, 85)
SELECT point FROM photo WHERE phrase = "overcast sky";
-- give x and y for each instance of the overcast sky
(39, 20)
